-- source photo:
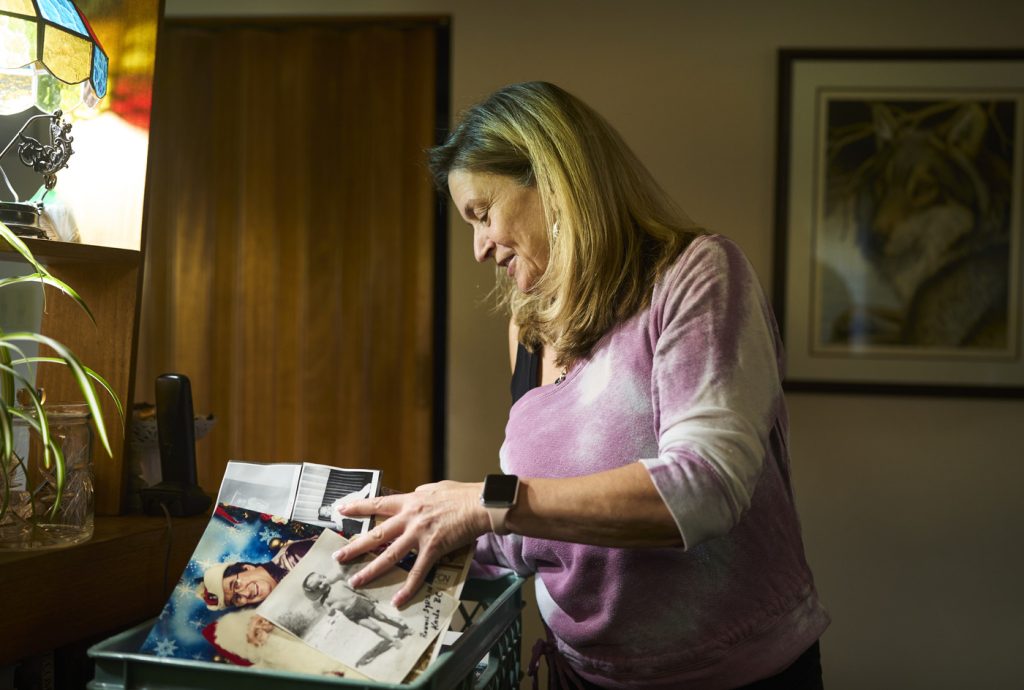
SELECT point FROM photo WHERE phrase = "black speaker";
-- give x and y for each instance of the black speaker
(178, 491)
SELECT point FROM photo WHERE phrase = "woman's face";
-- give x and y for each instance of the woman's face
(508, 223)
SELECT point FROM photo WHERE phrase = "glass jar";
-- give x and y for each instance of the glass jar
(38, 515)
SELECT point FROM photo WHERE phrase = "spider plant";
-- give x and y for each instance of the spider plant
(19, 398)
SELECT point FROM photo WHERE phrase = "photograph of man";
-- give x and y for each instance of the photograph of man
(335, 596)
(239, 584)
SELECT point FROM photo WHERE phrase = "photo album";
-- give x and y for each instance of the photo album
(261, 588)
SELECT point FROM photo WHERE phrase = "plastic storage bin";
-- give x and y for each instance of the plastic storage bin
(493, 630)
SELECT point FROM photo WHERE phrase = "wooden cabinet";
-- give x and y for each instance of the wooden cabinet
(117, 579)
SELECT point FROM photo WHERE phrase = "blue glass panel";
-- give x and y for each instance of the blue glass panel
(99, 72)
(63, 12)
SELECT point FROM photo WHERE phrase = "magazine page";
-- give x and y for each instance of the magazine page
(322, 488)
(241, 558)
(360, 628)
(304, 492)
(268, 488)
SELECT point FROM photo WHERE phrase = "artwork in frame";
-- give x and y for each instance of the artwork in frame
(898, 221)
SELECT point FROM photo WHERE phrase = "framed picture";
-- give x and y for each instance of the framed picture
(898, 221)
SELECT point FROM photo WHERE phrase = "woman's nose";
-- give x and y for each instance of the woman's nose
(483, 247)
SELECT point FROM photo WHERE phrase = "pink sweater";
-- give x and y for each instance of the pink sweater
(691, 388)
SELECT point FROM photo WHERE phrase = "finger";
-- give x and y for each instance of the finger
(384, 562)
(381, 505)
(369, 541)
(417, 576)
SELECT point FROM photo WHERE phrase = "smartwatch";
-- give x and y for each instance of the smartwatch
(498, 497)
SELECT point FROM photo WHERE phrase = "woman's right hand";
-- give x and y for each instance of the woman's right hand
(433, 521)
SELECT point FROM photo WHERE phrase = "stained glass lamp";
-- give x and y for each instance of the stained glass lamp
(50, 59)
(43, 42)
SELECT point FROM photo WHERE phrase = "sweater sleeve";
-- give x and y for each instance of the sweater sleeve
(497, 555)
(715, 386)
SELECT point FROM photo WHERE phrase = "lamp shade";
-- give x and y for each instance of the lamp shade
(48, 37)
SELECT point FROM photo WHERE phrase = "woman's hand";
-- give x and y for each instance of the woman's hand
(433, 520)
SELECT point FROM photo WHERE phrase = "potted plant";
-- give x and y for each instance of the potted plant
(38, 439)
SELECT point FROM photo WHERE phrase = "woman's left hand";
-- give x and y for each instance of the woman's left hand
(433, 521)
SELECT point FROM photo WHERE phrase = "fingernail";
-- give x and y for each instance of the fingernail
(394, 601)
(355, 581)
(337, 554)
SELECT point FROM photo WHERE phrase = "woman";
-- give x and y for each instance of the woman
(654, 502)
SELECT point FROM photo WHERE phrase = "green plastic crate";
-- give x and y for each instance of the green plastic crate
(491, 608)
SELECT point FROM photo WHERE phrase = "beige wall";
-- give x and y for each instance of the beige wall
(910, 506)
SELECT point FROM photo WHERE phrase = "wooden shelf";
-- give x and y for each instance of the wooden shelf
(54, 252)
(113, 581)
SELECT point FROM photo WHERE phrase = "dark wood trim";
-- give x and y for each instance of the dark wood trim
(439, 465)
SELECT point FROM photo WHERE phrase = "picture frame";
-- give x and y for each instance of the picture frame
(898, 221)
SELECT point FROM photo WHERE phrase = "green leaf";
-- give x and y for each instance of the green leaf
(49, 279)
(7, 441)
(44, 427)
(6, 380)
(41, 424)
(81, 378)
(92, 374)
(50, 449)
(60, 474)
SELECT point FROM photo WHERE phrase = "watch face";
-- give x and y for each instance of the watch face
(500, 488)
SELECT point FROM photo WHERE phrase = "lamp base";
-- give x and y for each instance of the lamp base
(22, 218)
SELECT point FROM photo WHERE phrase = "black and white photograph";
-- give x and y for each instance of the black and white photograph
(899, 243)
(306, 492)
(267, 488)
(358, 627)
(322, 489)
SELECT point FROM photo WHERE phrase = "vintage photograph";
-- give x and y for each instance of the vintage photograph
(899, 236)
(305, 492)
(242, 556)
(267, 488)
(321, 489)
(359, 628)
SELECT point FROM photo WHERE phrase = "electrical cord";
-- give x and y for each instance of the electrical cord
(167, 552)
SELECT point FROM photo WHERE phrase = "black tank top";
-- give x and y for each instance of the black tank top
(524, 377)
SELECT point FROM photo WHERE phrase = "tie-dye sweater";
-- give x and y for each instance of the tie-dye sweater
(690, 387)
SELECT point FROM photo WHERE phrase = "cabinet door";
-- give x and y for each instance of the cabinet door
(292, 241)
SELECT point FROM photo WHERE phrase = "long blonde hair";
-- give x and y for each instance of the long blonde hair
(617, 229)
